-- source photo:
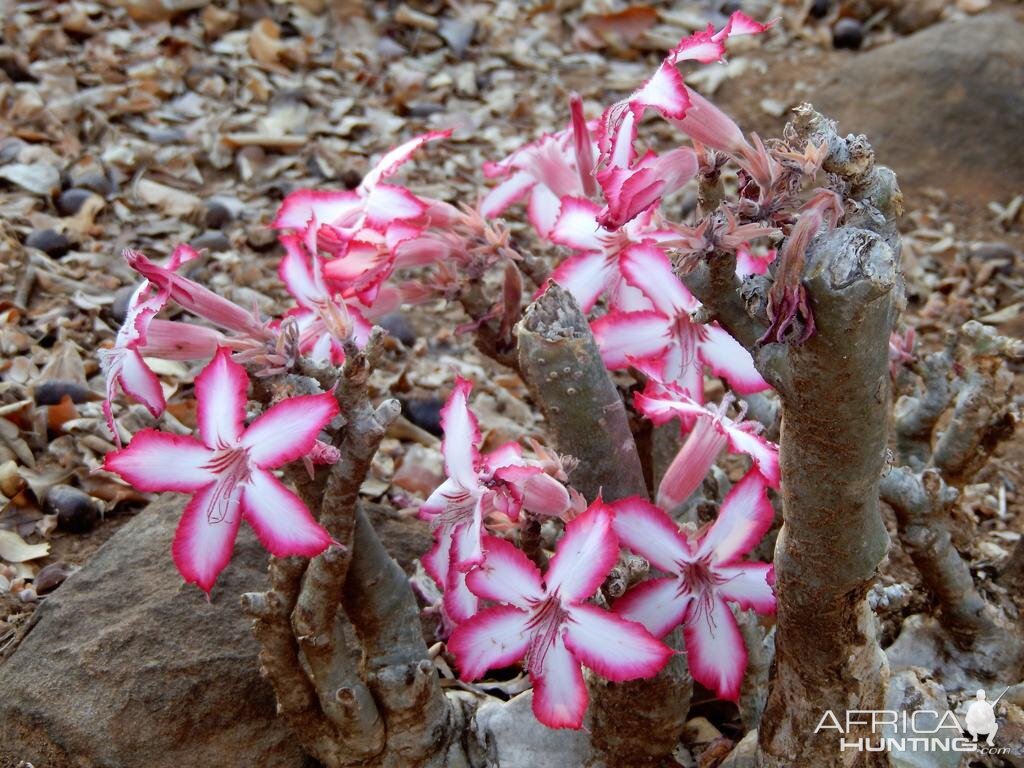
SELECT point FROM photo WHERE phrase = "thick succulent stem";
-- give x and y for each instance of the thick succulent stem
(562, 366)
(922, 505)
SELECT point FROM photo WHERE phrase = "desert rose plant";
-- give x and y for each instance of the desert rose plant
(584, 552)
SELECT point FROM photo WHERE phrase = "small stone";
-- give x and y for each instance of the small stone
(398, 325)
(216, 215)
(96, 182)
(71, 200)
(49, 241)
(76, 511)
(51, 576)
(52, 392)
(39, 178)
(425, 413)
(261, 238)
(458, 34)
(848, 33)
(994, 251)
(421, 472)
(820, 8)
(119, 309)
(214, 240)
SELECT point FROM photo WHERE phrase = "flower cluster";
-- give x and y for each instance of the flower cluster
(587, 189)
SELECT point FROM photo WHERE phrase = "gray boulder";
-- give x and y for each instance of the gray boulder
(128, 667)
(942, 107)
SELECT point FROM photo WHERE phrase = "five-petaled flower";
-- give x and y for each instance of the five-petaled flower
(477, 486)
(228, 472)
(702, 578)
(548, 621)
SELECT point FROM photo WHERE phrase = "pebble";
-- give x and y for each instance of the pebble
(51, 576)
(76, 511)
(848, 33)
(52, 392)
(70, 200)
(216, 215)
(214, 241)
(49, 241)
(398, 325)
(119, 309)
(425, 413)
(96, 182)
(820, 8)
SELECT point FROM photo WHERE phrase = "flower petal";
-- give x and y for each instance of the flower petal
(715, 650)
(612, 646)
(559, 694)
(282, 522)
(160, 461)
(661, 404)
(459, 602)
(461, 442)
(586, 276)
(296, 274)
(289, 429)
(203, 542)
(508, 192)
(140, 383)
(544, 495)
(506, 575)
(576, 226)
(467, 545)
(626, 336)
(764, 453)
(387, 203)
(659, 604)
(542, 209)
(495, 637)
(749, 585)
(745, 516)
(220, 397)
(730, 360)
(584, 554)
(393, 159)
(647, 267)
(327, 206)
(439, 500)
(649, 532)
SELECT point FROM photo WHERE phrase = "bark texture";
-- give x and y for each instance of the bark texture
(340, 635)
(834, 390)
(635, 724)
(562, 366)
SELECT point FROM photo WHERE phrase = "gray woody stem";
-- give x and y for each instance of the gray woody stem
(834, 392)
(388, 711)
(562, 366)
(636, 723)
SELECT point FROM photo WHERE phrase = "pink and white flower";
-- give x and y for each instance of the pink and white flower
(665, 342)
(711, 433)
(228, 472)
(546, 620)
(373, 205)
(477, 486)
(701, 579)
(596, 269)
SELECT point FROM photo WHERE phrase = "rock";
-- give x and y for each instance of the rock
(53, 391)
(510, 737)
(848, 33)
(128, 668)
(214, 241)
(398, 325)
(49, 241)
(907, 692)
(216, 214)
(76, 511)
(51, 576)
(457, 33)
(119, 309)
(95, 181)
(425, 413)
(71, 200)
(744, 754)
(38, 178)
(909, 16)
(942, 108)
(819, 8)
